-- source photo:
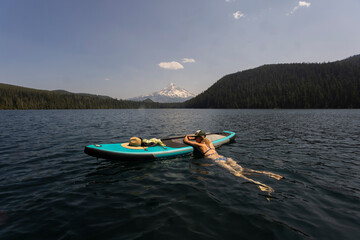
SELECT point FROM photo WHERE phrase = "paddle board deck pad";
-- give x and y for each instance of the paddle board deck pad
(175, 146)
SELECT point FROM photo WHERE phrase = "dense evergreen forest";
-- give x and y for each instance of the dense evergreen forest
(15, 97)
(306, 85)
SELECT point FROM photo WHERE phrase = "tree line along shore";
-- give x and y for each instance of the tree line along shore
(298, 86)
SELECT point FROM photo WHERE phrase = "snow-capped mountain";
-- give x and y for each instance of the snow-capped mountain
(170, 94)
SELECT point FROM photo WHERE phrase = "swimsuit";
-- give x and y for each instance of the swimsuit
(220, 158)
(208, 150)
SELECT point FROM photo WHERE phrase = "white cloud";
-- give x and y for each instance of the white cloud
(304, 4)
(300, 4)
(188, 60)
(107, 79)
(171, 65)
(238, 15)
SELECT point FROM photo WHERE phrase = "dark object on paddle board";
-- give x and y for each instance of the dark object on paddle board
(174, 147)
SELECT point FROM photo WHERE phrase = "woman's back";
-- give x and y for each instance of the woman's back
(209, 148)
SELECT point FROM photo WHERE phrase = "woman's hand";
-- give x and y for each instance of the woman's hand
(187, 139)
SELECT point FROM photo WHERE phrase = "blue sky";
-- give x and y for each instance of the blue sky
(126, 48)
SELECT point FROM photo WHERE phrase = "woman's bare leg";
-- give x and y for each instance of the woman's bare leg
(236, 169)
(270, 174)
(263, 187)
(234, 164)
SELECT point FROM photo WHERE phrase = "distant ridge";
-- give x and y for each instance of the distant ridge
(303, 85)
(17, 97)
(148, 100)
(170, 94)
(80, 94)
(353, 59)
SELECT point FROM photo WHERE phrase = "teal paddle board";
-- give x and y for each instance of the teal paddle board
(174, 147)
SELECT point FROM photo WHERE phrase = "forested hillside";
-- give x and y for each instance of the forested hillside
(306, 85)
(15, 97)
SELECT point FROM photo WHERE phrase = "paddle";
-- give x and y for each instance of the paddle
(176, 137)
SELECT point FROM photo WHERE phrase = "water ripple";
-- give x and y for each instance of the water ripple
(49, 189)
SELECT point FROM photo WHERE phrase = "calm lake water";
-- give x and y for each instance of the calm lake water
(50, 189)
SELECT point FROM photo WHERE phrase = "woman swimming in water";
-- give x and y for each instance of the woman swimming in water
(206, 147)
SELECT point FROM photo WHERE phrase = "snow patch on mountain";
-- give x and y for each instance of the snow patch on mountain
(169, 94)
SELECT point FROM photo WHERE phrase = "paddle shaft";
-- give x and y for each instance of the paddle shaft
(185, 136)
